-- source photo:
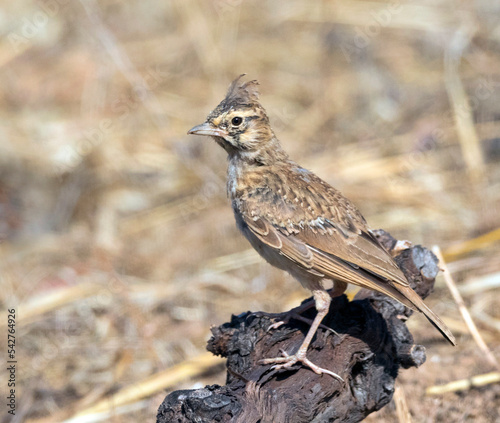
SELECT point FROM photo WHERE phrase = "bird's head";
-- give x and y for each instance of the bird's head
(240, 124)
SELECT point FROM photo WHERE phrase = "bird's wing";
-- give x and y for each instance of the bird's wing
(358, 247)
(323, 255)
(317, 227)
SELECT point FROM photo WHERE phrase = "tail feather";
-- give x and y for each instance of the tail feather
(438, 324)
(415, 299)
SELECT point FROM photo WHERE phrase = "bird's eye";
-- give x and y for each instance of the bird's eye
(236, 121)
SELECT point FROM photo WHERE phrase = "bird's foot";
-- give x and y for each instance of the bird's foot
(273, 316)
(293, 315)
(288, 316)
(268, 315)
(288, 361)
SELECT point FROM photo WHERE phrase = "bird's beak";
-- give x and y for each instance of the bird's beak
(207, 129)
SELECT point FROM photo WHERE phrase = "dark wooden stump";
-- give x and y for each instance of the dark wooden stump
(370, 345)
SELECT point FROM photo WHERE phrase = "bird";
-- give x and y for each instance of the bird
(298, 222)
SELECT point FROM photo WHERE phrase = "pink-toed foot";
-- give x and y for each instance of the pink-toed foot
(294, 316)
(288, 361)
(322, 301)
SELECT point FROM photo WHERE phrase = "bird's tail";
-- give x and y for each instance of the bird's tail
(415, 299)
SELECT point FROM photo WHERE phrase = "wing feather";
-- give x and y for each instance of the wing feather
(320, 263)
(362, 250)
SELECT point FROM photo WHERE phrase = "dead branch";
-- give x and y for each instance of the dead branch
(371, 344)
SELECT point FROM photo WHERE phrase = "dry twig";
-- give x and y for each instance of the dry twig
(402, 410)
(463, 384)
(463, 309)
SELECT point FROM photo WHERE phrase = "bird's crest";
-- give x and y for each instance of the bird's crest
(238, 95)
(247, 92)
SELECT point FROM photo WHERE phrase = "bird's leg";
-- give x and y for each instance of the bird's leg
(322, 300)
(295, 313)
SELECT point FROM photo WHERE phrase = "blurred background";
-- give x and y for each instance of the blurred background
(118, 246)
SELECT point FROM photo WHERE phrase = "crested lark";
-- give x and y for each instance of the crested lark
(295, 220)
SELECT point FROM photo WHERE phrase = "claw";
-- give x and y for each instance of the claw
(276, 325)
(322, 302)
(285, 354)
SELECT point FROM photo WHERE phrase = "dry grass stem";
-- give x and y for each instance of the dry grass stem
(464, 384)
(464, 121)
(35, 307)
(402, 410)
(466, 247)
(450, 283)
(158, 382)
